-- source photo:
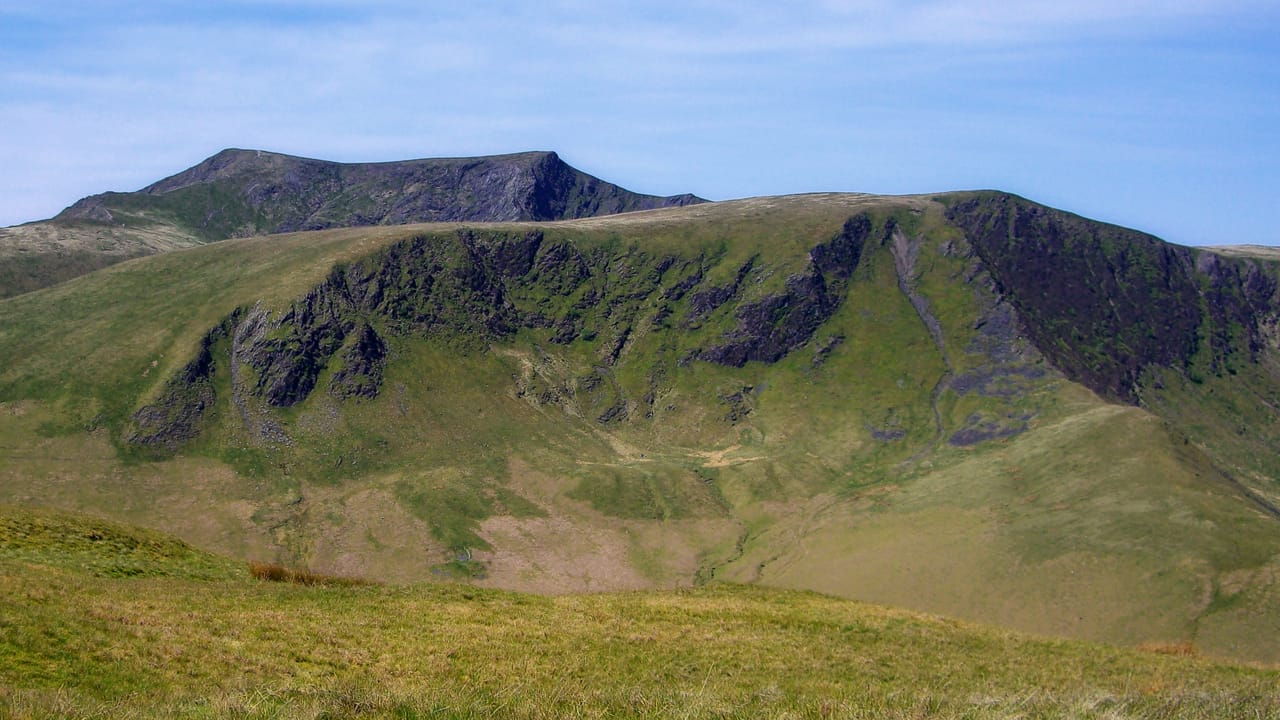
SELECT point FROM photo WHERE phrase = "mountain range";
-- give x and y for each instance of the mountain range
(964, 403)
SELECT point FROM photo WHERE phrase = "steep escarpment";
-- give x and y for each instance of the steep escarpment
(774, 325)
(473, 287)
(1105, 303)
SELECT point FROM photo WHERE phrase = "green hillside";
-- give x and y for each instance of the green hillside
(873, 397)
(173, 640)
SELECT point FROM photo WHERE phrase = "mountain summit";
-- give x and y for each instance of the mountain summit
(241, 193)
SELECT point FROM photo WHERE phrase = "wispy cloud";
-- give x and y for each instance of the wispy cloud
(711, 96)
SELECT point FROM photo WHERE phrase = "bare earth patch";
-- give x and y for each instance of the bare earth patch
(720, 458)
(555, 555)
(369, 534)
(578, 549)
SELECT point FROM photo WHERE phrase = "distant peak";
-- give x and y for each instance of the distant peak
(232, 154)
(254, 191)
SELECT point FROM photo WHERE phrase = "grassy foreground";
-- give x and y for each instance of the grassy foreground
(180, 638)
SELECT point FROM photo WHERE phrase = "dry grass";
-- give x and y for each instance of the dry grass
(77, 646)
(272, 572)
(1179, 649)
(285, 643)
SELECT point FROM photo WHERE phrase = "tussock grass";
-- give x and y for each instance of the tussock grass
(272, 572)
(1182, 649)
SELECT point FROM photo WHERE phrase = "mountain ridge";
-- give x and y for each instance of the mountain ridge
(535, 186)
(240, 193)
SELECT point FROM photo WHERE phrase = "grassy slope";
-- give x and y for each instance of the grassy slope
(1064, 529)
(41, 254)
(187, 636)
(102, 548)
(1095, 525)
(1244, 428)
(1101, 522)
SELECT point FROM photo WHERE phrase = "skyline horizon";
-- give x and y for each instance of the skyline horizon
(1133, 112)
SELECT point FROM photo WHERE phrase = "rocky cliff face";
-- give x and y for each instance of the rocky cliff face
(1103, 303)
(769, 328)
(462, 290)
(238, 193)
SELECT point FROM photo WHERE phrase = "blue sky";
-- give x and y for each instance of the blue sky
(1158, 115)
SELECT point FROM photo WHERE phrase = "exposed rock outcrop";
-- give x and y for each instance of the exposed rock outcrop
(361, 362)
(462, 289)
(775, 325)
(178, 415)
(1103, 302)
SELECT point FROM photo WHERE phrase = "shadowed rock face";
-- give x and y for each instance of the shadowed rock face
(179, 416)
(238, 193)
(1103, 302)
(775, 325)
